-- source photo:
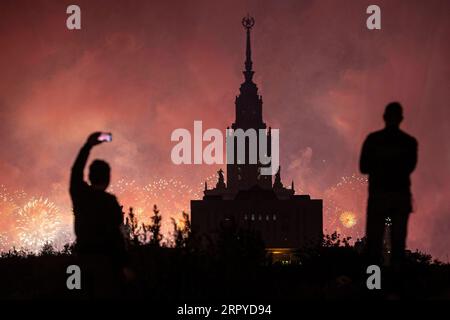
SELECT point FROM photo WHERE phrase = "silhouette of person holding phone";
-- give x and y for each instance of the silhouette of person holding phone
(388, 156)
(98, 218)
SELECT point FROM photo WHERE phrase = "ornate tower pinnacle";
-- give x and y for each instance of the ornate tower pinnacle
(243, 176)
(248, 22)
(277, 184)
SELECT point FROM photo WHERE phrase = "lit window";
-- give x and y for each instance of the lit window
(245, 217)
(253, 217)
(274, 217)
(267, 217)
(259, 217)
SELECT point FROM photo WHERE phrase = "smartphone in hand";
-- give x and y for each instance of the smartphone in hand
(105, 137)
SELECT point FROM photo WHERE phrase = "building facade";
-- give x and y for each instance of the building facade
(249, 200)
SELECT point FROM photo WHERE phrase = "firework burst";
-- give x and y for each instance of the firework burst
(29, 223)
(345, 206)
(38, 223)
(8, 215)
(170, 195)
(348, 219)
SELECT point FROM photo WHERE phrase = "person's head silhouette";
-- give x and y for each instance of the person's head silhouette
(393, 115)
(99, 174)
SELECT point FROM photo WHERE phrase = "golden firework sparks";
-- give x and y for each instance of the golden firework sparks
(38, 222)
(348, 219)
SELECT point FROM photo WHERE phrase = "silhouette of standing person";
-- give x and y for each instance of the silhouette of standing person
(98, 218)
(388, 156)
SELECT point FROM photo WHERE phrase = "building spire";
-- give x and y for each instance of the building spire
(277, 184)
(248, 22)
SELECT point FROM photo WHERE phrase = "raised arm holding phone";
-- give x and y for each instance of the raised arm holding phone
(98, 218)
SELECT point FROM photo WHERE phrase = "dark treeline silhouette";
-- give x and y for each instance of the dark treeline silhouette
(190, 271)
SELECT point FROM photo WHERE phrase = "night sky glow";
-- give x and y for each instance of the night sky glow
(141, 69)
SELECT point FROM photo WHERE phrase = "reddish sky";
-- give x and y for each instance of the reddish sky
(144, 68)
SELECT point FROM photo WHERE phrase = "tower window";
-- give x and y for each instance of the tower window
(259, 217)
(267, 217)
(274, 217)
(253, 217)
(245, 217)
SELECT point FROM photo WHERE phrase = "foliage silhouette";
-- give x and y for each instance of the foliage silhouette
(181, 235)
(234, 266)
